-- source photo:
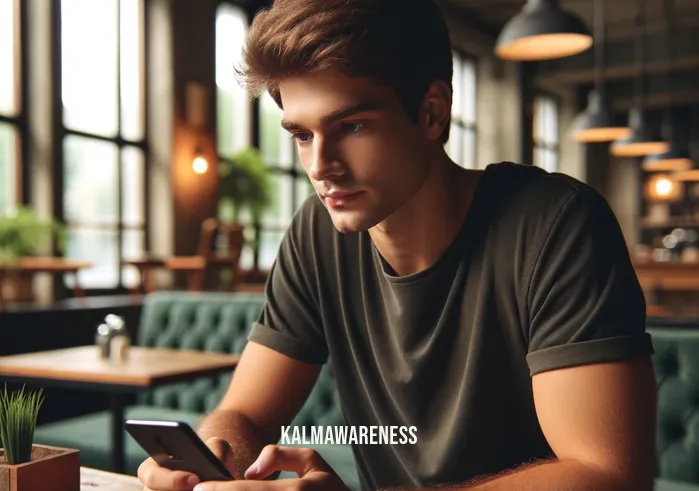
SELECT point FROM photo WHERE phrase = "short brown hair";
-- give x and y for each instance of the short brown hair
(404, 44)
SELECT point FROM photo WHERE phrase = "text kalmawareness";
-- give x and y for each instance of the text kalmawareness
(349, 435)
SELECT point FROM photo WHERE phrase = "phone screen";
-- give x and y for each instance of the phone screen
(175, 445)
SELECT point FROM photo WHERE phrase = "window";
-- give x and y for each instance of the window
(461, 146)
(10, 104)
(103, 167)
(291, 184)
(546, 133)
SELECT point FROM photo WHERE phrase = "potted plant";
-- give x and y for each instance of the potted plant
(25, 466)
(245, 190)
(24, 234)
(245, 185)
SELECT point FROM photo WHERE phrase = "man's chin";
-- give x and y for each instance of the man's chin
(346, 222)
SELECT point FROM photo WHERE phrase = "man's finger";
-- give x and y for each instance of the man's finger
(280, 485)
(153, 476)
(279, 458)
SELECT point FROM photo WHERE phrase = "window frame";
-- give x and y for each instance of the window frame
(61, 132)
(465, 126)
(20, 121)
(537, 144)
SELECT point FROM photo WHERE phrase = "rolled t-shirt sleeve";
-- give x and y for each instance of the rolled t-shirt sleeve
(289, 321)
(584, 300)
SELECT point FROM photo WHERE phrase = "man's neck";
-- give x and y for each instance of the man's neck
(415, 236)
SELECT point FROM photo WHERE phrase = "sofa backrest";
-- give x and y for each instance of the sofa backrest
(220, 322)
(676, 363)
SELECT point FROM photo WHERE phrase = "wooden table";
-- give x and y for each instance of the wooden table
(82, 367)
(26, 267)
(98, 480)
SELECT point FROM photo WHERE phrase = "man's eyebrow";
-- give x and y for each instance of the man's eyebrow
(338, 114)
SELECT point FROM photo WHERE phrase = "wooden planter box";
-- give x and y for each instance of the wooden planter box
(51, 469)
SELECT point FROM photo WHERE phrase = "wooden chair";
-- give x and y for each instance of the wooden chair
(208, 258)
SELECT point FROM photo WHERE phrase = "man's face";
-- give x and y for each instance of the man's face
(363, 155)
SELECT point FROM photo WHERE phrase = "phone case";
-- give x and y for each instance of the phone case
(175, 445)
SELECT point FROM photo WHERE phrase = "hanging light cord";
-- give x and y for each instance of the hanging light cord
(600, 50)
(640, 53)
(670, 47)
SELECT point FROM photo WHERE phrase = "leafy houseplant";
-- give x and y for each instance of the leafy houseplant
(25, 466)
(23, 233)
(245, 189)
(245, 185)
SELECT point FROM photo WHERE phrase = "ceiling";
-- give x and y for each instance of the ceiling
(489, 16)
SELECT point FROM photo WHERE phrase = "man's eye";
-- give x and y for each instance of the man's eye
(301, 137)
(352, 127)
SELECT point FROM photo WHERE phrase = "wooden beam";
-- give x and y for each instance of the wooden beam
(619, 72)
(659, 100)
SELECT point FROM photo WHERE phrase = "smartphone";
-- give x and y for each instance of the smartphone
(174, 445)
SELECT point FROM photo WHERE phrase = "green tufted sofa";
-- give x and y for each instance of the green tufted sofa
(676, 363)
(207, 321)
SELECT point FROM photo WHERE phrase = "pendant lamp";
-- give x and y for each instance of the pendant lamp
(542, 31)
(691, 174)
(642, 141)
(677, 158)
(596, 123)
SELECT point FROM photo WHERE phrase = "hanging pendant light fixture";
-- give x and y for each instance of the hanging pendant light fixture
(596, 123)
(542, 31)
(677, 158)
(642, 140)
(691, 174)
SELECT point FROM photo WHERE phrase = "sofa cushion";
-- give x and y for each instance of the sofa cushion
(206, 321)
(676, 363)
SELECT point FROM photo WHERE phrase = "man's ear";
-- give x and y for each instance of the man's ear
(435, 110)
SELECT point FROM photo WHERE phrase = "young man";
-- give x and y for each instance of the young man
(496, 311)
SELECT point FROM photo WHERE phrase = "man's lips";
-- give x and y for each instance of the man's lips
(339, 199)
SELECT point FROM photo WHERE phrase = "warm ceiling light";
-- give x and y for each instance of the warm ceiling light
(595, 124)
(542, 31)
(673, 160)
(632, 147)
(641, 142)
(686, 175)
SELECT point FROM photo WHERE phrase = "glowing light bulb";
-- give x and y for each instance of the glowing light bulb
(663, 187)
(200, 165)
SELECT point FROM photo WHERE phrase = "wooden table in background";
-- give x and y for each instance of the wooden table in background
(82, 367)
(27, 267)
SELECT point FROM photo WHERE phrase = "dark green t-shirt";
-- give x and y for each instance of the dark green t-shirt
(538, 278)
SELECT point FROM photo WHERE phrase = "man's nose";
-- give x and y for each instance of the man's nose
(325, 164)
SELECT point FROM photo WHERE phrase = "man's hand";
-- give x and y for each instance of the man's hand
(314, 473)
(157, 478)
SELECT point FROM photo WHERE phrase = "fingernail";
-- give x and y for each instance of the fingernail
(253, 469)
(201, 487)
(192, 480)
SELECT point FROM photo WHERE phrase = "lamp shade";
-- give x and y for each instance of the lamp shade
(596, 124)
(641, 142)
(542, 31)
(675, 159)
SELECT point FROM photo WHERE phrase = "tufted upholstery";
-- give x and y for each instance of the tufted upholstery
(676, 363)
(208, 321)
(199, 321)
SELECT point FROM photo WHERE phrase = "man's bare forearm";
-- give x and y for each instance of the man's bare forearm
(245, 440)
(551, 475)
